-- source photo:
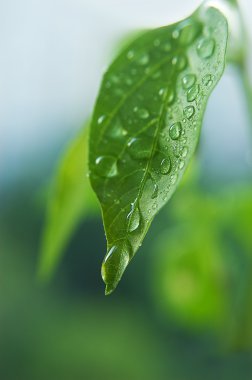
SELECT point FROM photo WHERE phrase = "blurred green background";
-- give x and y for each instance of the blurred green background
(183, 310)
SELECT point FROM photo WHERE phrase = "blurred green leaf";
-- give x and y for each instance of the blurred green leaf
(190, 271)
(71, 200)
(146, 125)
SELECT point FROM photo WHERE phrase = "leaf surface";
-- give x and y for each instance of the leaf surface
(146, 125)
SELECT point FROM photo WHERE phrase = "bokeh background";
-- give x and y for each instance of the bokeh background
(184, 307)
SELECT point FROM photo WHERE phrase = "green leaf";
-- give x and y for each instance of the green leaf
(70, 201)
(146, 125)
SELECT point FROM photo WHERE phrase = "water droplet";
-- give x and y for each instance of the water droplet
(161, 92)
(188, 34)
(128, 81)
(155, 191)
(114, 264)
(175, 34)
(106, 166)
(189, 112)
(115, 79)
(116, 130)
(156, 74)
(156, 42)
(170, 96)
(184, 152)
(101, 119)
(192, 93)
(206, 47)
(175, 131)
(142, 113)
(165, 167)
(188, 81)
(143, 60)
(179, 62)
(207, 80)
(173, 178)
(140, 147)
(167, 47)
(134, 218)
(130, 54)
(181, 164)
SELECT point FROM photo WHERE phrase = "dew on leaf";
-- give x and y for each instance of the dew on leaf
(143, 60)
(179, 62)
(170, 96)
(134, 218)
(114, 264)
(206, 47)
(128, 81)
(188, 81)
(106, 166)
(184, 152)
(175, 34)
(175, 131)
(192, 93)
(173, 178)
(181, 164)
(156, 42)
(207, 80)
(161, 92)
(142, 113)
(188, 34)
(166, 47)
(101, 119)
(140, 147)
(130, 54)
(156, 74)
(189, 112)
(155, 191)
(165, 166)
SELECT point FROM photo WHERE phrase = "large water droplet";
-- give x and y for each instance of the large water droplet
(175, 131)
(140, 147)
(114, 265)
(192, 93)
(189, 112)
(206, 47)
(134, 218)
(143, 60)
(165, 166)
(188, 81)
(106, 166)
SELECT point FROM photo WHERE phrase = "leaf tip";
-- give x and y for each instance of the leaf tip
(109, 289)
(113, 266)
